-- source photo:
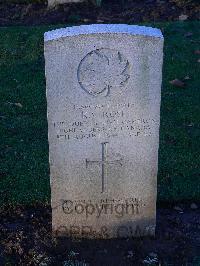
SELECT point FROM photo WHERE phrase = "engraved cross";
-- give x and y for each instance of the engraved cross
(103, 163)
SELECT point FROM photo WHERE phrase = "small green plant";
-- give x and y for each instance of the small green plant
(97, 2)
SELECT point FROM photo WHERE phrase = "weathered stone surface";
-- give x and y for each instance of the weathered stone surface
(103, 95)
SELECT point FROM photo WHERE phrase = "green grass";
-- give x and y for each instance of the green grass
(24, 169)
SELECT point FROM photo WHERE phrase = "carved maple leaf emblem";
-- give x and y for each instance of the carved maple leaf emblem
(102, 70)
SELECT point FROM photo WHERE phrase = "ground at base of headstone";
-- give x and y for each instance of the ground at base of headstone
(26, 239)
(16, 12)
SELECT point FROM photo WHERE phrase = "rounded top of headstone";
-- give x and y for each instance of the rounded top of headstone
(102, 28)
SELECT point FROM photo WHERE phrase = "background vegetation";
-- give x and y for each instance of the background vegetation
(24, 168)
(97, 2)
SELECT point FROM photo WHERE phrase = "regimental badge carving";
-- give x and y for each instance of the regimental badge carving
(102, 71)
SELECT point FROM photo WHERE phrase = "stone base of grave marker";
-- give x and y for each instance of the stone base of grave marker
(103, 95)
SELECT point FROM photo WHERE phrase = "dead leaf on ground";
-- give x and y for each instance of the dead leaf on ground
(179, 209)
(193, 206)
(100, 21)
(190, 125)
(183, 17)
(19, 105)
(16, 104)
(197, 51)
(177, 83)
(187, 77)
(188, 34)
(86, 20)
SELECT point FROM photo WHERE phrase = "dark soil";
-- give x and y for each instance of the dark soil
(86, 13)
(25, 239)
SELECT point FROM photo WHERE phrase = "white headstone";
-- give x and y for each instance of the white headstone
(103, 95)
